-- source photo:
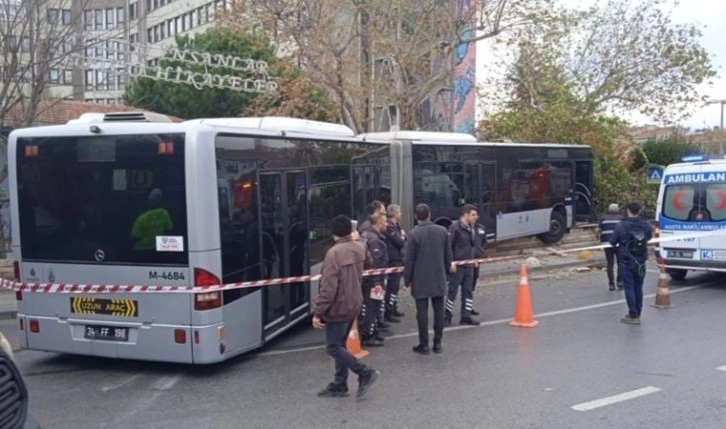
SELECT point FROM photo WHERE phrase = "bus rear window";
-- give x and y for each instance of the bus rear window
(103, 199)
(678, 202)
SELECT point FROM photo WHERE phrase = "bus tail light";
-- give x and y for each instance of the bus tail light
(18, 295)
(205, 278)
(207, 301)
(34, 326)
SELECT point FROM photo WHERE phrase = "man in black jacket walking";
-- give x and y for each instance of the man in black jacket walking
(396, 241)
(427, 261)
(463, 245)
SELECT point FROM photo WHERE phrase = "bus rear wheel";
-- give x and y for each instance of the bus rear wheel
(677, 274)
(557, 229)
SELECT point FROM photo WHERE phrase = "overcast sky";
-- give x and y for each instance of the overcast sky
(711, 13)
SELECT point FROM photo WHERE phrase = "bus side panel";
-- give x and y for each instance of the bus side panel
(522, 224)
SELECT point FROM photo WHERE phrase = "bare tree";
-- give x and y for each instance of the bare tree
(374, 53)
(37, 41)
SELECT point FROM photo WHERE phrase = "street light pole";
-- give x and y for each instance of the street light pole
(721, 133)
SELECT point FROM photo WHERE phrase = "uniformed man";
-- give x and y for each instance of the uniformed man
(374, 286)
(463, 243)
(396, 241)
(631, 237)
(605, 232)
(480, 242)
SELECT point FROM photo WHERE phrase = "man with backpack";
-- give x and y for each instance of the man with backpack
(631, 237)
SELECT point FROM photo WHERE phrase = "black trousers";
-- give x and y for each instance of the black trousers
(476, 277)
(462, 277)
(392, 287)
(422, 317)
(368, 318)
(610, 256)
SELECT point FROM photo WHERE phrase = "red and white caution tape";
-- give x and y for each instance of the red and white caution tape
(104, 289)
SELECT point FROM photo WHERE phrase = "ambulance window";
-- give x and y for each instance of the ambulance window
(678, 202)
(716, 201)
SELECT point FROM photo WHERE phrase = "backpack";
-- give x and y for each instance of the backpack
(637, 244)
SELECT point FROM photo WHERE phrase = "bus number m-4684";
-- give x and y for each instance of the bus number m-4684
(166, 275)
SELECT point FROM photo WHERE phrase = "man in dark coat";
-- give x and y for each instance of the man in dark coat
(374, 286)
(427, 262)
(463, 247)
(605, 232)
(630, 238)
(338, 303)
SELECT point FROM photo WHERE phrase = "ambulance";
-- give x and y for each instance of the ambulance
(692, 202)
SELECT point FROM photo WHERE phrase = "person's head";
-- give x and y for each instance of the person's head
(423, 212)
(378, 222)
(613, 209)
(394, 212)
(341, 227)
(376, 207)
(468, 212)
(633, 209)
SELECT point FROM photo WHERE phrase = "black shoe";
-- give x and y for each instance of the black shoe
(365, 382)
(437, 348)
(474, 313)
(390, 318)
(383, 325)
(372, 342)
(378, 337)
(469, 321)
(447, 321)
(334, 391)
(421, 349)
(620, 286)
(397, 313)
(612, 287)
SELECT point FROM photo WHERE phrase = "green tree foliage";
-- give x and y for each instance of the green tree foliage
(670, 151)
(296, 95)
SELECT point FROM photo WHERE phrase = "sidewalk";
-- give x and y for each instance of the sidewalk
(489, 271)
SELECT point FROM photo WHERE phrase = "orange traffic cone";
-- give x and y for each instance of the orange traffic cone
(662, 295)
(353, 343)
(523, 316)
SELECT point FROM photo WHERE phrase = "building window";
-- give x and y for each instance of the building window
(109, 19)
(53, 76)
(53, 16)
(67, 46)
(178, 24)
(88, 20)
(67, 17)
(150, 35)
(132, 42)
(148, 6)
(121, 80)
(99, 49)
(132, 11)
(194, 19)
(100, 81)
(68, 77)
(157, 33)
(90, 83)
(170, 28)
(25, 44)
(99, 19)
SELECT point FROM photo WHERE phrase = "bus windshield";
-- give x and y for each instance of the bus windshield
(103, 199)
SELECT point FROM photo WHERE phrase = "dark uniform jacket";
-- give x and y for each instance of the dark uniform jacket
(463, 241)
(340, 295)
(480, 241)
(396, 244)
(378, 250)
(607, 226)
(427, 260)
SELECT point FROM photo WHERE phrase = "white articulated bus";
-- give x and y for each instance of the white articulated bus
(114, 199)
(692, 200)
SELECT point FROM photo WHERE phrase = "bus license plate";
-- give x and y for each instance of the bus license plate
(108, 333)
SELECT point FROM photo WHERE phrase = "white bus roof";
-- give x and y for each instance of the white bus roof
(432, 137)
(281, 124)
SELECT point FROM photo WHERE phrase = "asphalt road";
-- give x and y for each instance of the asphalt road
(580, 368)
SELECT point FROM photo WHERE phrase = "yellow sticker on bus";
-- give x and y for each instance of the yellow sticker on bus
(111, 307)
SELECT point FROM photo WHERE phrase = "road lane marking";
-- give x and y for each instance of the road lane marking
(166, 383)
(491, 322)
(721, 368)
(120, 384)
(602, 402)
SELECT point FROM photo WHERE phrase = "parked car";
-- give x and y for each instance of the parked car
(14, 412)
